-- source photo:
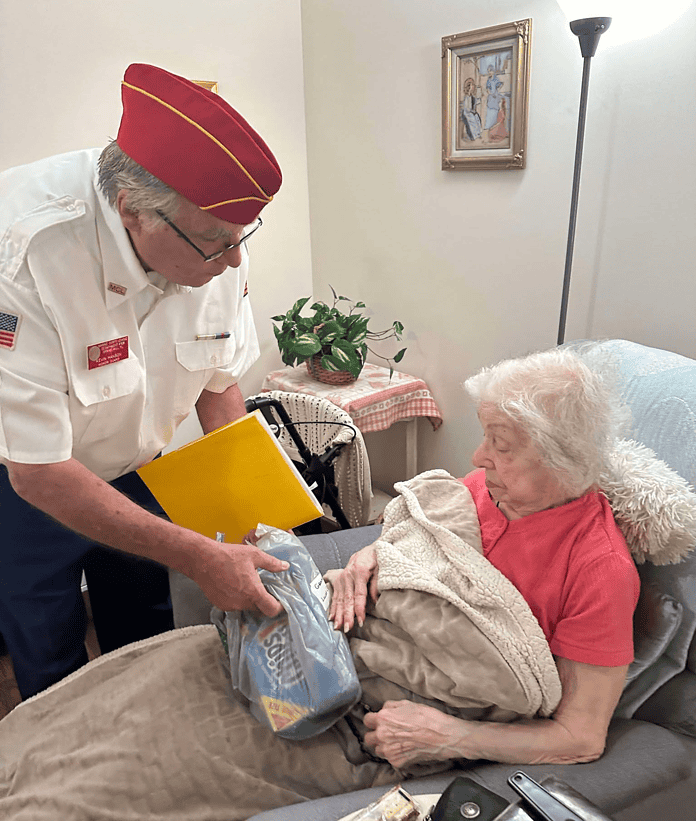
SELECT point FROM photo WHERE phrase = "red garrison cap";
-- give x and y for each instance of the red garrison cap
(196, 143)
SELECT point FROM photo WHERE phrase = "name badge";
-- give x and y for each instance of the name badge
(105, 353)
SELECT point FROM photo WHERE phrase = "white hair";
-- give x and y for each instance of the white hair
(571, 413)
(145, 194)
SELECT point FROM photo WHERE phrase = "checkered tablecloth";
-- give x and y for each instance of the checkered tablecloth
(374, 401)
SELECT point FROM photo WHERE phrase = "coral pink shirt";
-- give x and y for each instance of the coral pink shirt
(573, 567)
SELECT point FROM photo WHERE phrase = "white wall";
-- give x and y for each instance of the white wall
(61, 65)
(472, 261)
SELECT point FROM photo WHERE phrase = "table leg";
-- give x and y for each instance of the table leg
(411, 447)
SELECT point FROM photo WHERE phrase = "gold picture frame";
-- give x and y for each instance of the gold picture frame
(485, 97)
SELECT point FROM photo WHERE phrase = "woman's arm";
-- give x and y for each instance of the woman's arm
(403, 732)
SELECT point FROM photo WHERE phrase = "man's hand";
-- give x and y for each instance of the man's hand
(228, 577)
(350, 588)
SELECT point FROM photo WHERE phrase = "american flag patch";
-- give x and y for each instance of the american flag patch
(9, 325)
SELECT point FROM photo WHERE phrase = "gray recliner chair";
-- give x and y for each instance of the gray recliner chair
(649, 767)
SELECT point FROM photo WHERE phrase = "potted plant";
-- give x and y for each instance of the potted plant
(333, 342)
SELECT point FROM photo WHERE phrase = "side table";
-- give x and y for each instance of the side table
(374, 401)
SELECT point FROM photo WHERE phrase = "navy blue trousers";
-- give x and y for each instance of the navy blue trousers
(42, 613)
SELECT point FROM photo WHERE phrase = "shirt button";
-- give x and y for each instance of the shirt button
(106, 391)
(213, 360)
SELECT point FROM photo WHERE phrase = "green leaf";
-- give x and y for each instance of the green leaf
(321, 313)
(284, 339)
(356, 334)
(305, 345)
(359, 304)
(287, 357)
(278, 318)
(355, 369)
(362, 323)
(345, 353)
(294, 312)
(330, 363)
(400, 355)
(398, 327)
(329, 331)
(343, 350)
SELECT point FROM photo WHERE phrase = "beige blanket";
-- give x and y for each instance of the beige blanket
(152, 731)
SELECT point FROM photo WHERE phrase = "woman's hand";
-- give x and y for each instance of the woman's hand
(351, 587)
(403, 732)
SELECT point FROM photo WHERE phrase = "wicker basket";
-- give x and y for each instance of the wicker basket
(318, 371)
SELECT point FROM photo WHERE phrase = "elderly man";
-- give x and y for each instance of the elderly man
(123, 304)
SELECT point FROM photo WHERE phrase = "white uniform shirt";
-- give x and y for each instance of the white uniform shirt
(69, 272)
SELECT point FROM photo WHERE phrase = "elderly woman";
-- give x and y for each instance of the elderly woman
(547, 422)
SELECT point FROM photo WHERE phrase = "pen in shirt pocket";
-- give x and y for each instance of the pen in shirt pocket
(222, 335)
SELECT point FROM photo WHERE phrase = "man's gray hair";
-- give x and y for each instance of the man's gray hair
(145, 193)
(571, 413)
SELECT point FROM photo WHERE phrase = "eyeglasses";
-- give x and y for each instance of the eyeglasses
(210, 257)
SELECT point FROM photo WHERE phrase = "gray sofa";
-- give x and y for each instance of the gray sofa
(648, 770)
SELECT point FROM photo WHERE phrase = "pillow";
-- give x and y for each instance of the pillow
(654, 507)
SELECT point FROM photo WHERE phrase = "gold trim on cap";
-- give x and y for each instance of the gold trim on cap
(210, 85)
(229, 202)
(266, 198)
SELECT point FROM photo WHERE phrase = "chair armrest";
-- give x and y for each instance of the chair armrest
(674, 705)
(332, 550)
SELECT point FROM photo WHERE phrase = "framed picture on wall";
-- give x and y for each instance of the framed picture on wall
(485, 95)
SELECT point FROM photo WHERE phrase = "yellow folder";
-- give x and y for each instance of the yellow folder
(231, 480)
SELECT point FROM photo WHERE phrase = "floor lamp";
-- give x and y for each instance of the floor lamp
(588, 32)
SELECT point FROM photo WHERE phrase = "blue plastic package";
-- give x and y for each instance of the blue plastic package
(295, 670)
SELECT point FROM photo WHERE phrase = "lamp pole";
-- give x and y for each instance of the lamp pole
(588, 32)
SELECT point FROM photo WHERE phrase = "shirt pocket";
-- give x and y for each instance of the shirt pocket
(109, 400)
(206, 354)
(199, 360)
